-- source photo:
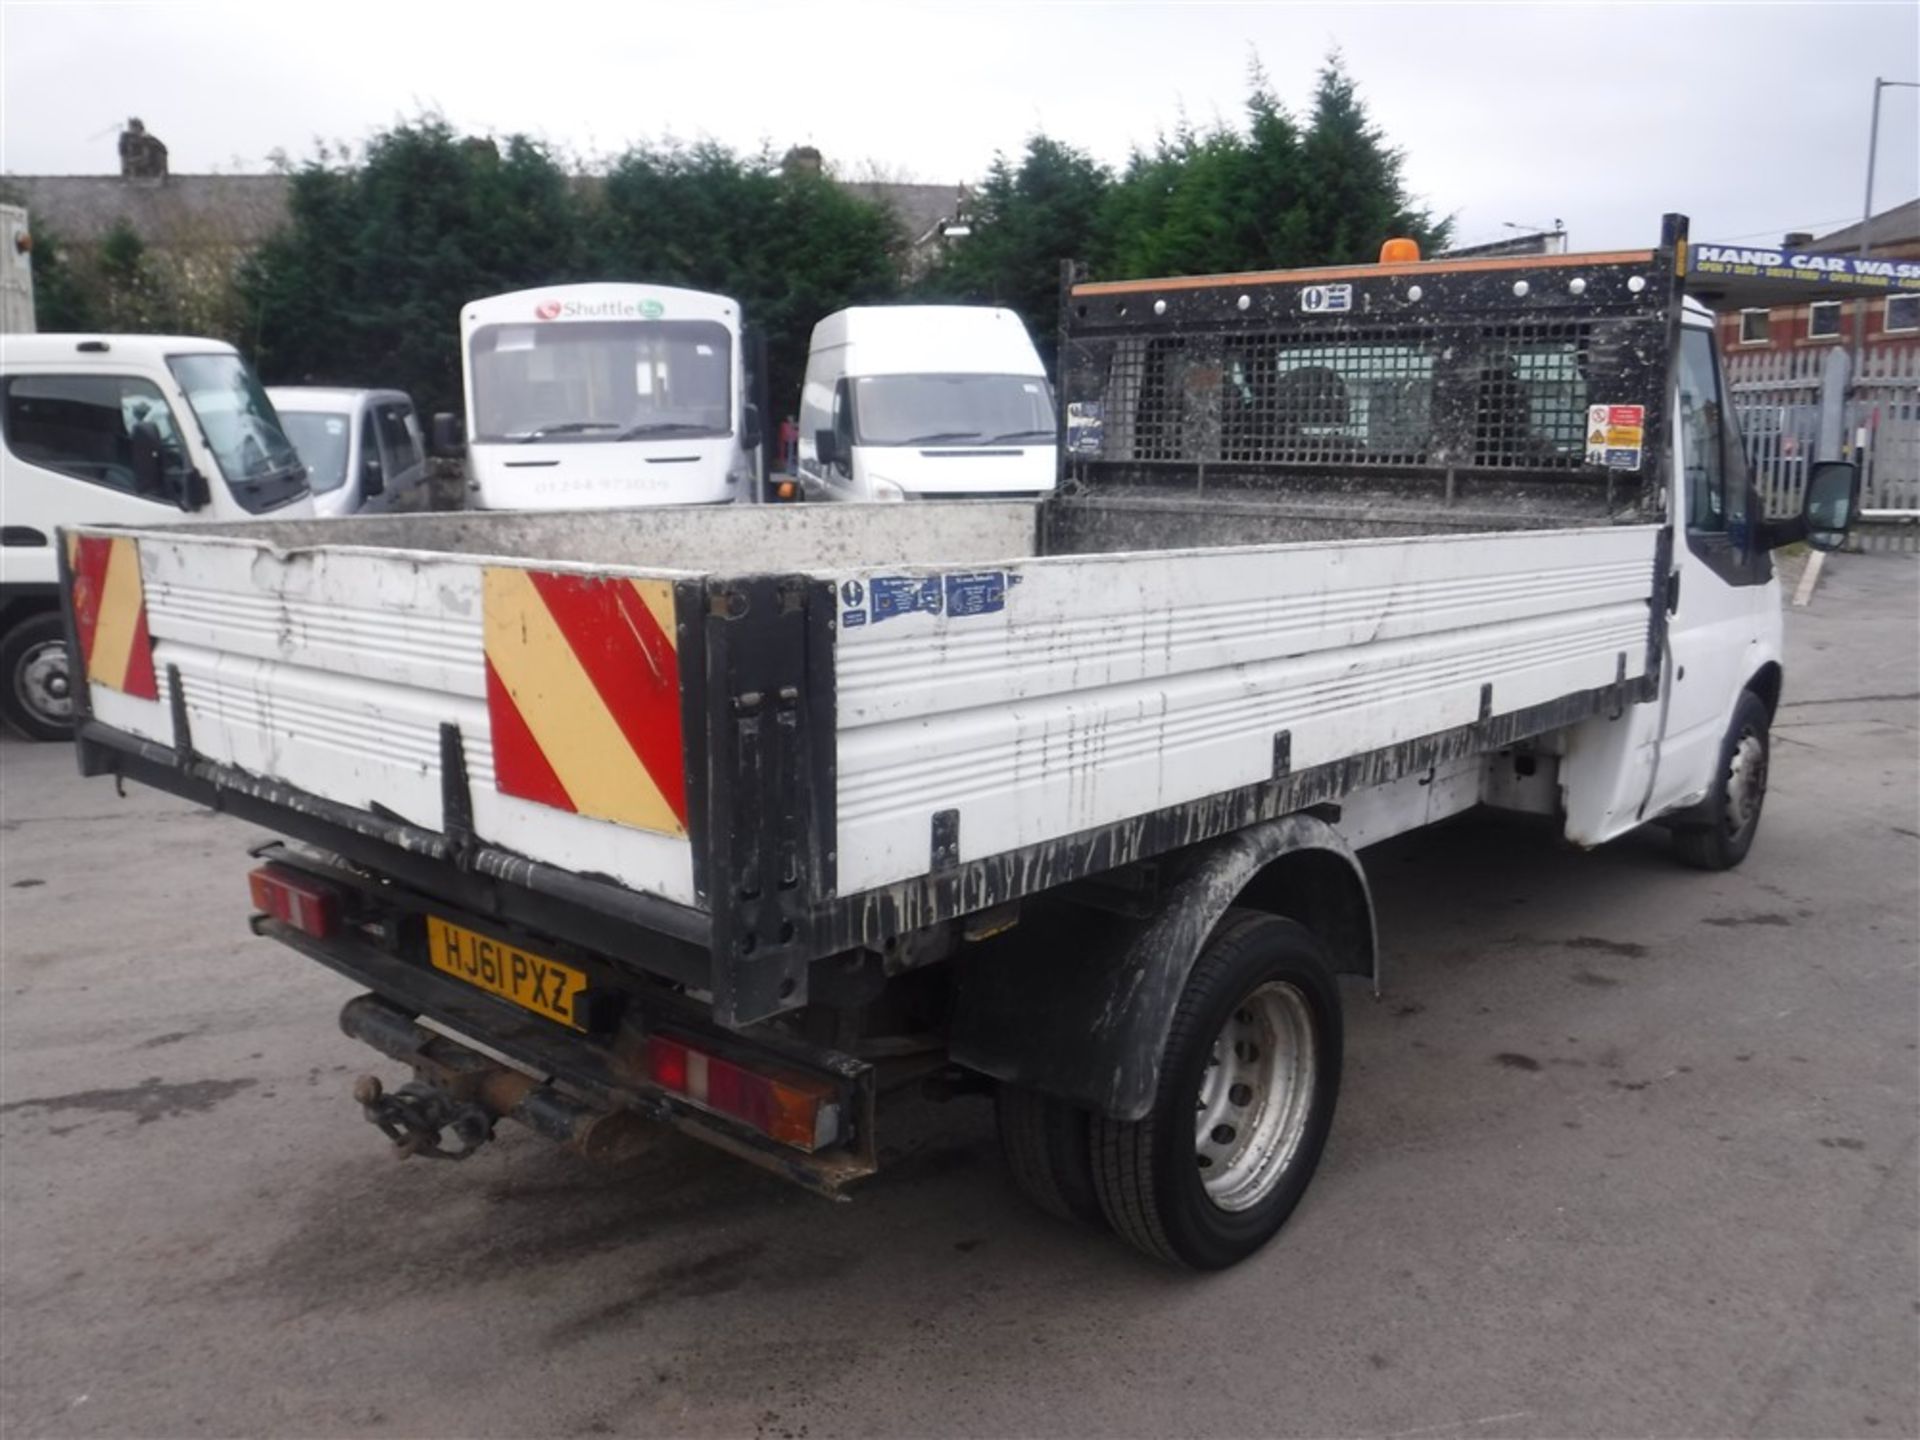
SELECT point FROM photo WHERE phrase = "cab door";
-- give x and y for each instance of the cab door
(69, 460)
(1725, 621)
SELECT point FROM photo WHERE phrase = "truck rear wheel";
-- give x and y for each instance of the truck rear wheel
(1049, 1152)
(1718, 832)
(1248, 1082)
(36, 691)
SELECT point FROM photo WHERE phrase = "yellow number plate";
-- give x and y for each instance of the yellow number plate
(533, 982)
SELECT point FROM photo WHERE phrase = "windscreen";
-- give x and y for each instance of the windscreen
(238, 420)
(952, 409)
(601, 380)
(322, 441)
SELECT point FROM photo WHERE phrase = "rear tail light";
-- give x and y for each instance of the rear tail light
(796, 1110)
(295, 899)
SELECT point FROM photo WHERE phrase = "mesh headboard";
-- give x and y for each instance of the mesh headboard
(1516, 372)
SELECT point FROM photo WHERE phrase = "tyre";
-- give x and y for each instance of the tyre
(37, 696)
(1049, 1153)
(1248, 1082)
(1717, 833)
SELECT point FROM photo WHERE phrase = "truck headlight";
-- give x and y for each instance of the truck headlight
(887, 490)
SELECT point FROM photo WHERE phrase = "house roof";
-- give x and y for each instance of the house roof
(240, 211)
(921, 208)
(1900, 225)
(181, 212)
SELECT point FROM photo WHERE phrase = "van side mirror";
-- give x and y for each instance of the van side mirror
(1831, 503)
(824, 448)
(373, 477)
(149, 464)
(152, 476)
(449, 437)
(751, 433)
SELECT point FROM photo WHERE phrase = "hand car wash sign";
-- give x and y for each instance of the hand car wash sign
(1853, 272)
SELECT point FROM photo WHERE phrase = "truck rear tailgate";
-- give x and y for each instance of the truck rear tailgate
(334, 670)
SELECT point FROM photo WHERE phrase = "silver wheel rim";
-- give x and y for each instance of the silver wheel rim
(1255, 1095)
(1746, 781)
(41, 681)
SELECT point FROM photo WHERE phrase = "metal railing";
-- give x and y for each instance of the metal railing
(1797, 406)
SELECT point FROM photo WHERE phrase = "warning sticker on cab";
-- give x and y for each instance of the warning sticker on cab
(1616, 435)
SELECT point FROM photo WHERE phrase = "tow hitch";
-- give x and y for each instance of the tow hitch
(417, 1118)
(457, 1096)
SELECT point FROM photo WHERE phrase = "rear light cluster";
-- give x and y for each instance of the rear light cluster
(294, 899)
(796, 1110)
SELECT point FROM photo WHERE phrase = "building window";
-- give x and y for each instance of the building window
(1903, 313)
(1823, 320)
(1756, 327)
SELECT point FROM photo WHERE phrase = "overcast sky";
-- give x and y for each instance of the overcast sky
(1751, 118)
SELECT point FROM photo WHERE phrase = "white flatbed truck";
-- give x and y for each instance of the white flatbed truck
(740, 820)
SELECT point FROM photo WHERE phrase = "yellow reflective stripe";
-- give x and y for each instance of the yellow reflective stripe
(120, 600)
(657, 596)
(564, 712)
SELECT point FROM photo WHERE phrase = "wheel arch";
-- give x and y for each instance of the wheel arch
(1765, 683)
(1078, 1003)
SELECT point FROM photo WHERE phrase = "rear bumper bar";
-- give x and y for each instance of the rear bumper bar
(596, 1077)
(468, 873)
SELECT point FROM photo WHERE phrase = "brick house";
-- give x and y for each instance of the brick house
(1892, 319)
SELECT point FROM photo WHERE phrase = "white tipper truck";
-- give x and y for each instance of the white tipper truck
(741, 822)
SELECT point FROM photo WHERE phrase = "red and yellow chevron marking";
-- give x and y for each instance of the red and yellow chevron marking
(110, 613)
(583, 692)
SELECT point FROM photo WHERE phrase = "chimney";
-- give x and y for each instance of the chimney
(142, 156)
(1797, 240)
(801, 160)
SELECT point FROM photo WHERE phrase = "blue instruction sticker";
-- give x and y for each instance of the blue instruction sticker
(980, 593)
(853, 619)
(903, 594)
(1085, 427)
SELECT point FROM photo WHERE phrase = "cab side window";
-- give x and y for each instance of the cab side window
(1701, 449)
(397, 438)
(82, 426)
(1720, 503)
(373, 468)
(843, 426)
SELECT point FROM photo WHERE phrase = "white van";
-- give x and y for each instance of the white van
(117, 430)
(911, 402)
(605, 396)
(362, 448)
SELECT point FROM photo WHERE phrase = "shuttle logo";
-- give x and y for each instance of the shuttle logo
(599, 310)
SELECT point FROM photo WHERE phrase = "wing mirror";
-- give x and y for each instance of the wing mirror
(155, 478)
(449, 436)
(1831, 503)
(824, 448)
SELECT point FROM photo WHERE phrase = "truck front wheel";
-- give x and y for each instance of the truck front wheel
(37, 698)
(1248, 1081)
(1717, 833)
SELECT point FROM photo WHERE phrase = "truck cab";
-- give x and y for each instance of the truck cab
(606, 396)
(135, 430)
(908, 402)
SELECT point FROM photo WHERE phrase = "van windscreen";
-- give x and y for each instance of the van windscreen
(601, 380)
(952, 409)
